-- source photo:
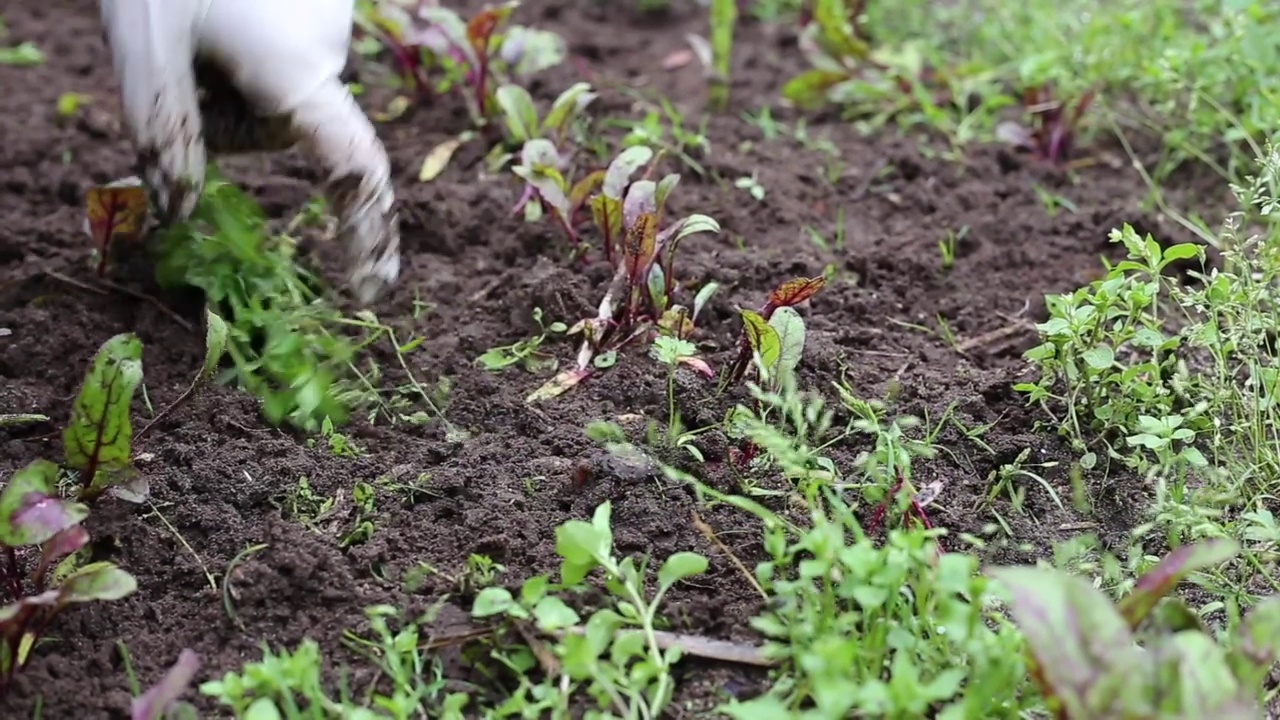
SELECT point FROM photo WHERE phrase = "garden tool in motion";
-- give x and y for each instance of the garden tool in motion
(235, 76)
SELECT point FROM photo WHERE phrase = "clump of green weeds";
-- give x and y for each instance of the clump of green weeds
(615, 656)
(283, 335)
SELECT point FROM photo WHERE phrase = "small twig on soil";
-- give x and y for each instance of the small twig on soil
(710, 535)
(546, 658)
(992, 337)
(213, 584)
(124, 291)
(186, 395)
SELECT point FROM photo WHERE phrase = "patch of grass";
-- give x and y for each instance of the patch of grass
(1194, 75)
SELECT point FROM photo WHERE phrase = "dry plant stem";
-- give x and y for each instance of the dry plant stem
(123, 290)
(710, 535)
(699, 646)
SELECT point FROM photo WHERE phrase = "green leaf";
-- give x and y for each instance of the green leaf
(618, 176)
(695, 224)
(1100, 357)
(789, 326)
(1171, 570)
(99, 435)
(215, 342)
(571, 102)
(518, 111)
(30, 512)
(580, 543)
(264, 708)
(492, 601)
(703, 297)
(551, 614)
(658, 288)
(97, 581)
(25, 54)
(762, 337)
(680, 566)
(1181, 251)
(809, 89)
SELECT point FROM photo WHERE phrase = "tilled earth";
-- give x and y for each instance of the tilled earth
(220, 475)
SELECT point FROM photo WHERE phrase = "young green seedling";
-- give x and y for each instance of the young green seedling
(673, 352)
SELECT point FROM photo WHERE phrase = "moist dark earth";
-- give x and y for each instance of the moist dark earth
(220, 474)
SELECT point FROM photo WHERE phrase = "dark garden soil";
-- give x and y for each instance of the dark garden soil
(220, 474)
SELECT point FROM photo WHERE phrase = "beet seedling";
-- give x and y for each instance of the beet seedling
(478, 55)
(98, 439)
(44, 571)
(628, 216)
(1086, 655)
(546, 153)
(774, 335)
(1053, 128)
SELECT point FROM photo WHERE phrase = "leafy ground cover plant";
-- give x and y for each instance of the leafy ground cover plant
(627, 215)
(44, 571)
(474, 56)
(1091, 660)
(285, 339)
(615, 656)
(849, 69)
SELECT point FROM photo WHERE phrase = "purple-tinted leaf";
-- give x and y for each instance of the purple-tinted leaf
(618, 175)
(446, 34)
(29, 512)
(1173, 569)
(156, 702)
(640, 201)
(1074, 633)
(1015, 134)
